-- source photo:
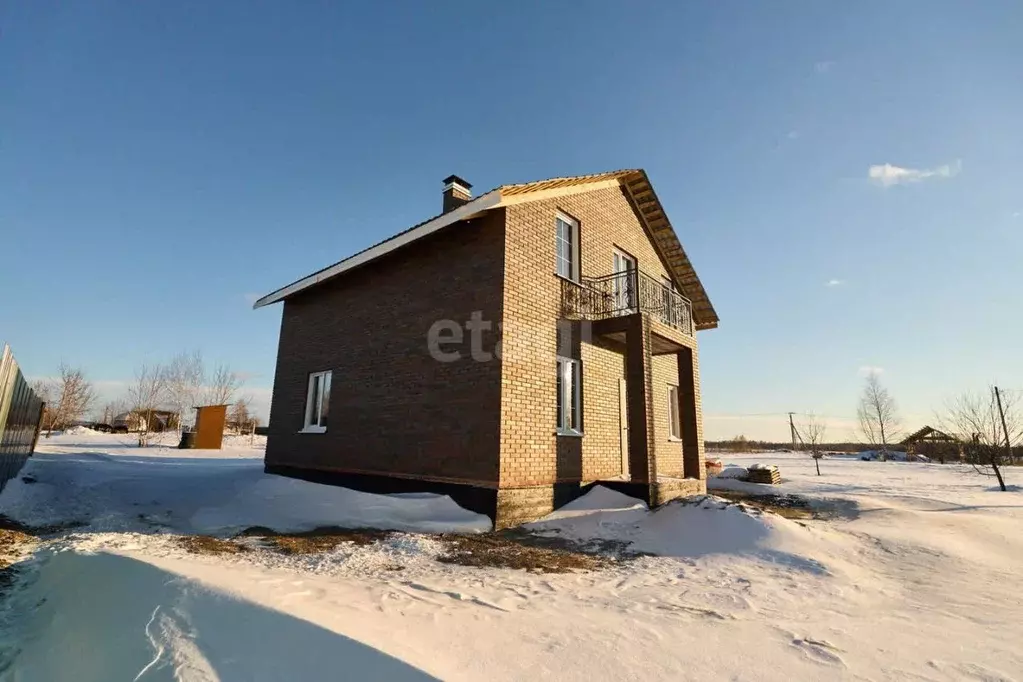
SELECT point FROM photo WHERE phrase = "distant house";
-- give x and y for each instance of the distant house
(933, 444)
(508, 352)
(136, 420)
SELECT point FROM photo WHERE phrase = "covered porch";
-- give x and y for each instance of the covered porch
(661, 439)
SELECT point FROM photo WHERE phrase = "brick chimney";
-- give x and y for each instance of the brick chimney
(456, 192)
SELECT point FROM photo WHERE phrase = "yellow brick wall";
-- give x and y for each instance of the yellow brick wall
(529, 344)
(601, 446)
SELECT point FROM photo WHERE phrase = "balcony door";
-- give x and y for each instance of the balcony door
(671, 311)
(625, 283)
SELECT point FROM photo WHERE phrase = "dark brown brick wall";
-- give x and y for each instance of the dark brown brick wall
(393, 408)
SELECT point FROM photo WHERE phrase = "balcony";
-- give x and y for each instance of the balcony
(625, 293)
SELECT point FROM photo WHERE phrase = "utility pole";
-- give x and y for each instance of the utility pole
(792, 428)
(1005, 429)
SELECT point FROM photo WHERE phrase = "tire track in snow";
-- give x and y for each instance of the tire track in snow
(152, 642)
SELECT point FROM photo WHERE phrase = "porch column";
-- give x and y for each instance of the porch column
(639, 392)
(690, 414)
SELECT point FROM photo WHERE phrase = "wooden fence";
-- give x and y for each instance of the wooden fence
(21, 411)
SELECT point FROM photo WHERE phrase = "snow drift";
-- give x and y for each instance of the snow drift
(142, 490)
(139, 622)
(286, 504)
(692, 528)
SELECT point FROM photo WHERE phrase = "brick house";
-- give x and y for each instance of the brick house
(509, 351)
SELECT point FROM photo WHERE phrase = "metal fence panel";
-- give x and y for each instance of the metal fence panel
(20, 412)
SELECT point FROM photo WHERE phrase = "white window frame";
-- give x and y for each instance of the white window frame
(571, 395)
(314, 421)
(674, 413)
(573, 245)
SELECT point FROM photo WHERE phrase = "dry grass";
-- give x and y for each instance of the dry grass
(315, 541)
(204, 544)
(524, 551)
(513, 548)
(7, 523)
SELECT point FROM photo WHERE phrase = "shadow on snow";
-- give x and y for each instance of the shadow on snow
(109, 617)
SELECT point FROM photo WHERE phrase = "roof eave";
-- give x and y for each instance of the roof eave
(467, 211)
(635, 182)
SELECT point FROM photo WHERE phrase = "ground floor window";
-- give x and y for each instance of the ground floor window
(569, 396)
(317, 403)
(674, 419)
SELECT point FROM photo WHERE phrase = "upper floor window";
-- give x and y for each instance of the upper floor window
(567, 241)
(317, 403)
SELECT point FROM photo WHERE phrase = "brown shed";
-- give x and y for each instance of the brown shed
(209, 426)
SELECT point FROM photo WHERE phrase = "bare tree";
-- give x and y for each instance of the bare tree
(223, 384)
(44, 388)
(145, 394)
(68, 397)
(186, 374)
(811, 432)
(879, 418)
(239, 417)
(974, 419)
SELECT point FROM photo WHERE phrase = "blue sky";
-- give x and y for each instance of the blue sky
(163, 163)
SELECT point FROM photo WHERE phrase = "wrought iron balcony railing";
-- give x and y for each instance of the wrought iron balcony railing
(624, 293)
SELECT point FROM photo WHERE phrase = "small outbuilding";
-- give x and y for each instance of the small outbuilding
(934, 444)
(209, 427)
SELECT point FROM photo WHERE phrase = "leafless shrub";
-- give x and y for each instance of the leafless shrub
(812, 431)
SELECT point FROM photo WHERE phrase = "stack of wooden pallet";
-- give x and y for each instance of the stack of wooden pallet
(764, 474)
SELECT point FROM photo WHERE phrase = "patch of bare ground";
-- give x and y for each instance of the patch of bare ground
(315, 541)
(7, 523)
(14, 544)
(513, 548)
(522, 550)
(789, 506)
(204, 544)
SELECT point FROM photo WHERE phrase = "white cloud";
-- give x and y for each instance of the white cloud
(792, 134)
(834, 283)
(1017, 214)
(867, 370)
(823, 66)
(887, 175)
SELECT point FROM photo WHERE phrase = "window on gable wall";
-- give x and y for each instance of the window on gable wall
(569, 388)
(567, 242)
(317, 404)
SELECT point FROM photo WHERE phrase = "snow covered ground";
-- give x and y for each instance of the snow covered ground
(912, 576)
